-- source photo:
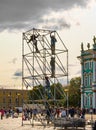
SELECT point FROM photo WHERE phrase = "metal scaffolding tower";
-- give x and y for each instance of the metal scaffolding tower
(44, 55)
(37, 65)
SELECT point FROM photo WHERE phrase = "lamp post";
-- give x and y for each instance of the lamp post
(67, 98)
(18, 98)
(9, 100)
(91, 112)
(91, 108)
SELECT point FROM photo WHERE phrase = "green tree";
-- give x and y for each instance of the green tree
(74, 91)
(37, 93)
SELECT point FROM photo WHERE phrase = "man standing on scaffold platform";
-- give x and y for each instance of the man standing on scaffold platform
(53, 41)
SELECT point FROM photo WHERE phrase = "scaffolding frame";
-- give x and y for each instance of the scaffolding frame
(37, 65)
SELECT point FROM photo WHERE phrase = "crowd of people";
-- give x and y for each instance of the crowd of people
(9, 112)
(48, 112)
(54, 112)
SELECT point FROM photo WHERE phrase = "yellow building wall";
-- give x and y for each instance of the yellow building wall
(12, 97)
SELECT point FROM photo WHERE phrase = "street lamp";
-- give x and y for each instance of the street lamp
(9, 100)
(67, 98)
(91, 108)
(18, 98)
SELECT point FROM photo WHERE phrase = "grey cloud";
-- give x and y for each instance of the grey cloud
(13, 61)
(65, 24)
(59, 23)
(18, 14)
(18, 73)
(56, 27)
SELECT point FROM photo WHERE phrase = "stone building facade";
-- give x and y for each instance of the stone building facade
(88, 76)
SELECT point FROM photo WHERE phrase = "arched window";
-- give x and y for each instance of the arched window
(85, 80)
(91, 100)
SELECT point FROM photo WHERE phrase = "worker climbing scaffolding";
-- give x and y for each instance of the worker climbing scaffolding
(47, 88)
(34, 40)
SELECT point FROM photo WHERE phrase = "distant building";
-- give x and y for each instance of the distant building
(88, 76)
(12, 97)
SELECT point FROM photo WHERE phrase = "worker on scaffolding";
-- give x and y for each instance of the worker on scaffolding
(34, 40)
(47, 87)
(52, 64)
(53, 41)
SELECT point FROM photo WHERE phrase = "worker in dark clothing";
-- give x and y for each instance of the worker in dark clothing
(34, 40)
(53, 41)
(47, 87)
(52, 64)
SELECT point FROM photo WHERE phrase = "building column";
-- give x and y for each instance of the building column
(94, 99)
(82, 99)
(82, 84)
(94, 84)
(94, 94)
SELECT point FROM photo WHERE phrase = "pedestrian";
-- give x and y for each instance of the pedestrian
(83, 111)
(72, 112)
(63, 113)
(2, 113)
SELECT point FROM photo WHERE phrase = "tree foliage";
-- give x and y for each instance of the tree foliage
(74, 91)
(58, 91)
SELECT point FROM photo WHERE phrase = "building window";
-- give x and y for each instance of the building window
(85, 100)
(90, 100)
(10, 93)
(85, 80)
(3, 92)
(10, 100)
(90, 65)
(86, 65)
(3, 100)
(90, 79)
(95, 70)
(16, 100)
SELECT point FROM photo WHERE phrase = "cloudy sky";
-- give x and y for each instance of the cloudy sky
(74, 20)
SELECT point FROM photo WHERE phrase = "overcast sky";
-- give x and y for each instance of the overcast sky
(16, 14)
(75, 20)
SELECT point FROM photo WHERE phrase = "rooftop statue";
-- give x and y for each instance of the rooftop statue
(94, 40)
(88, 45)
(82, 48)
